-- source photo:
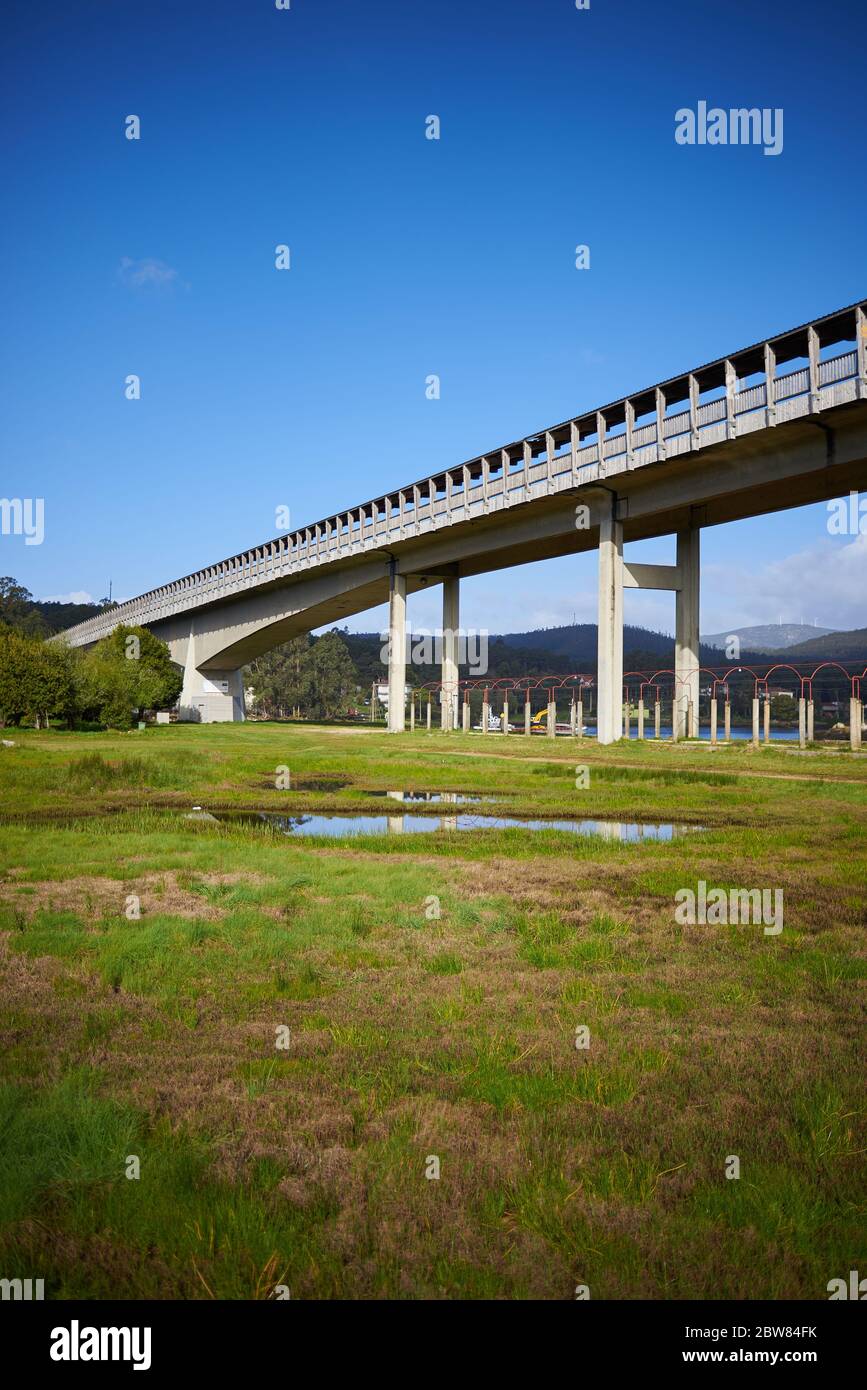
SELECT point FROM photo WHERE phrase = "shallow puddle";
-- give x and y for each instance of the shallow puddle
(345, 826)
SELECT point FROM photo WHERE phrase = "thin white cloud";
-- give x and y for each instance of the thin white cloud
(78, 596)
(147, 273)
(825, 584)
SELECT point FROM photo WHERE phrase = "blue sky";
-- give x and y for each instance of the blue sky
(306, 388)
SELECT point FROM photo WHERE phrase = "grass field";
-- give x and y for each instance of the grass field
(288, 1034)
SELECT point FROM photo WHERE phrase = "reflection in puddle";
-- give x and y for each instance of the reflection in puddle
(433, 798)
(342, 827)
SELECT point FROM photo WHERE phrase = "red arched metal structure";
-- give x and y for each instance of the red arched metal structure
(719, 678)
(718, 675)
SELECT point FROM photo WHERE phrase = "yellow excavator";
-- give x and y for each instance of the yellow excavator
(539, 724)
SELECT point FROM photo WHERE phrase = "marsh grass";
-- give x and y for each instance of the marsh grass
(412, 1035)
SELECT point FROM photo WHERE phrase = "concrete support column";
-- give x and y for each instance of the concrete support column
(373, 703)
(579, 719)
(627, 719)
(767, 718)
(466, 720)
(755, 721)
(657, 719)
(552, 718)
(528, 714)
(396, 652)
(641, 716)
(810, 715)
(428, 710)
(686, 648)
(505, 713)
(486, 711)
(727, 721)
(412, 713)
(447, 709)
(713, 719)
(693, 718)
(854, 724)
(609, 715)
(802, 722)
(573, 715)
(449, 676)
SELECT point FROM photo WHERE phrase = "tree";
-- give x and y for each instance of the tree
(18, 610)
(126, 673)
(35, 679)
(316, 676)
(16, 675)
(784, 709)
(281, 679)
(15, 601)
(334, 675)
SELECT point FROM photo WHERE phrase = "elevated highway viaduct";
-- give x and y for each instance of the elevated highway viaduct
(777, 425)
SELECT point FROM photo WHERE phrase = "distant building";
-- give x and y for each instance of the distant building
(382, 694)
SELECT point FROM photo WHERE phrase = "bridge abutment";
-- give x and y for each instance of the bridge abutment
(207, 697)
(211, 697)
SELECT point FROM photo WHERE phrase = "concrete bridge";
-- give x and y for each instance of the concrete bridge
(780, 424)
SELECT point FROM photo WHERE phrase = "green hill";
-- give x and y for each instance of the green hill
(836, 646)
